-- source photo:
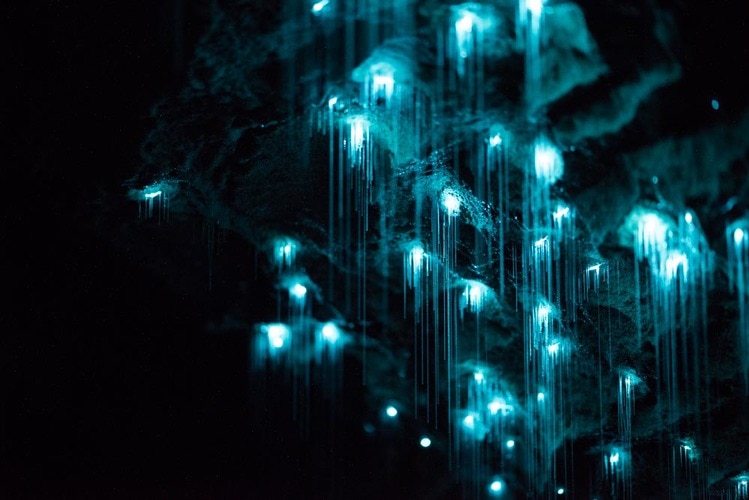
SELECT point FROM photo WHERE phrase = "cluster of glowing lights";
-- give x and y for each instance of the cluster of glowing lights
(278, 335)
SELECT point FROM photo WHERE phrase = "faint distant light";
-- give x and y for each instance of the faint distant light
(478, 376)
(332, 102)
(450, 202)
(715, 104)
(331, 333)
(738, 236)
(319, 6)
(391, 411)
(425, 442)
(688, 218)
(495, 140)
(535, 6)
(153, 195)
(560, 491)
(510, 444)
(298, 291)
(541, 396)
(369, 428)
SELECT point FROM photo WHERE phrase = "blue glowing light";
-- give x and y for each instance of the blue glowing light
(391, 411)
(738, 236)
(319, 6)
(298, 291)
(150, 196)
(450, 202)
(614, 458)
(540, 397)
(560, 491)
(425, 442)
(278, 334)
(548, 162)
(495, 140)
(715, 104)
(478, 376)
(499, 404)
(495, 487)
(510, 444)
(330, 333)
(535, 6)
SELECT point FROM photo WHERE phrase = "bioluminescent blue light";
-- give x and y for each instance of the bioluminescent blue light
(688, 217)
(553, 348)
(383, 80)
(535, 7)
(561, 212)
(495, 140)
(500, 405)
(540, 397)
(284, 253)
(319, 6)
(425, 442)
(332, 102)
(330, 333)
(495, 487)
(510, 444)
(450, 202)
(478, 377)
(152, 195)
(359, 132)
(560, 491)
(738, 236)
(715, 104)
(278, 335)
(541, 242)
(614, 458)
(548, 162)
(469, 422)
(391, 411)
(298, 290)
(474, 295)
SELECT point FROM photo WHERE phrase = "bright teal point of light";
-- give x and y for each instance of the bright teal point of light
(298, 291)
(541, 396)
(510, 443)
(391, 411)
(688, 218)
(450, 203)
(715, 104)
(495, 140)
(738, 236)
(153, 195)
(495, 487)
(478, 376)
(319, 6)
(560, 491)
(469, 421)
(331, 333)
(425, 442)
(614, 458)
